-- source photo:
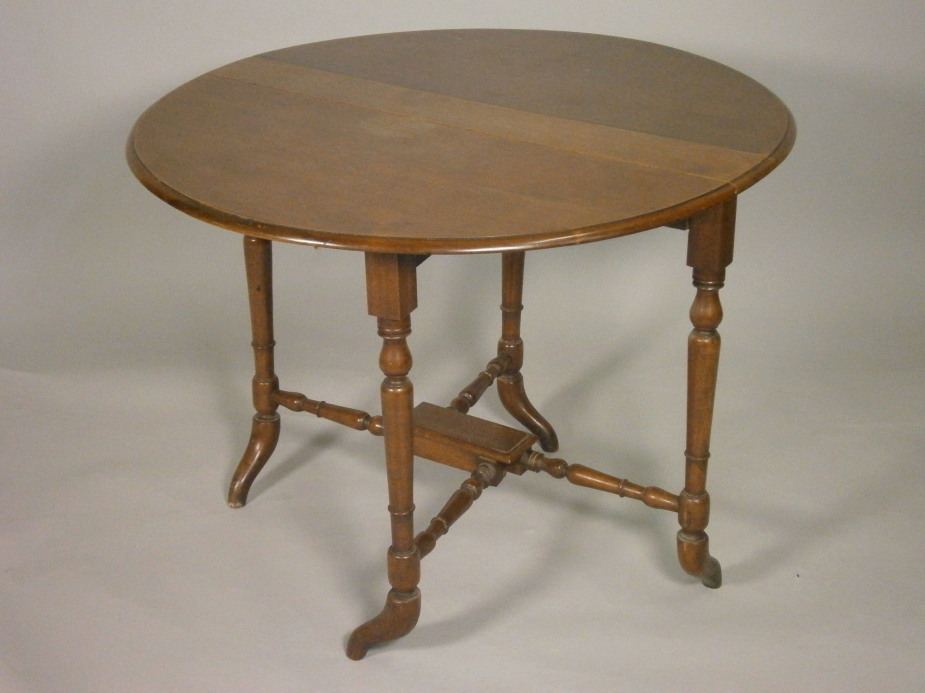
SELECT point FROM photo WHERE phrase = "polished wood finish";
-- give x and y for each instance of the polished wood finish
(391, 282)
(581, 475)
(511, 382)
(352, 418)
(450, 437)
(504, 369)
(406, 145)
(469, 396)
(459, 141)
(258, 261)
(484, 475)
(709, 251)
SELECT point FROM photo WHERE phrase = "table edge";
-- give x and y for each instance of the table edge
(444, 246)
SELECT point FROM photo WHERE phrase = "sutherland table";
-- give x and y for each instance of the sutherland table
(405, 145)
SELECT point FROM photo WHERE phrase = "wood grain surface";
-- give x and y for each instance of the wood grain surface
(459, 141)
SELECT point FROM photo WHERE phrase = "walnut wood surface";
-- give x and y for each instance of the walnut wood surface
(448, 436)
(395, 297)
(258, 262)
(459, 141)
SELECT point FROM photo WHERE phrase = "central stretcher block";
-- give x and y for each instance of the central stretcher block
(444, 435)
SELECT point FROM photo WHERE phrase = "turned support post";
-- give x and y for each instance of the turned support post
(511, 348)
(258, 262)
(391, 296)
(710, 244)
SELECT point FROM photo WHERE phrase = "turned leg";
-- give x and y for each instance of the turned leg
(265, 427)
(511, 348)
(709, 252)
(694, 501)
(392, 296)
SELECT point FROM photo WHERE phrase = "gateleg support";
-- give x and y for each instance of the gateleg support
(258, 263)
(510, 383)
(709, 252)
(391, 284)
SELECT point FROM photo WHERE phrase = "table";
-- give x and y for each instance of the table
(469, 141)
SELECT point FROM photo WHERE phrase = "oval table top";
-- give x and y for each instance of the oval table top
(459, 141)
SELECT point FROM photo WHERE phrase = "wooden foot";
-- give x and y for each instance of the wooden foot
(695, 558)
(510, 384)
(515, 401)
(264, 436)
(398, 617)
